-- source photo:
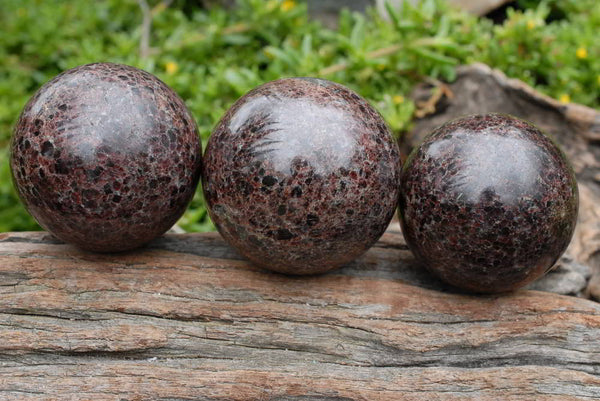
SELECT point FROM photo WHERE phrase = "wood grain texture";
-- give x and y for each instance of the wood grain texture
(187, 319)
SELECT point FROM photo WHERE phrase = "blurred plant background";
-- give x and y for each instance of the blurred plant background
(211, 55)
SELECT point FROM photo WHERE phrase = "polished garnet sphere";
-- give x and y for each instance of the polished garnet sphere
(301, 175)
(488, 203)
(105, 157)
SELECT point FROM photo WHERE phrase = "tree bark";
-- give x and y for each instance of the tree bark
(186, 318)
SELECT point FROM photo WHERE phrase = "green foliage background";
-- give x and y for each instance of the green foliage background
(211, 56)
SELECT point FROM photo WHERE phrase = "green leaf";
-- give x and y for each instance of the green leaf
(357, 36)
(433, 56)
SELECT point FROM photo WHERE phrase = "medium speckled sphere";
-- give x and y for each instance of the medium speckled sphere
(488, 203)
(301, 175)
(106, 157)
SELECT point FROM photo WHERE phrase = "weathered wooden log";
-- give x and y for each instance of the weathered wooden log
(187, 319)
(479, 89)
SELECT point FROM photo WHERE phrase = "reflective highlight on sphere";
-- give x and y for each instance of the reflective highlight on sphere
(106, 157)
(488, 203)
(301, 175)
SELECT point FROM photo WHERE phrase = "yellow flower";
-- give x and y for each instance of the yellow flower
(581, 53)
(531, 24)
(398, 99)
(171, 67)
(381, 67)
(564, 98)
(287, 5)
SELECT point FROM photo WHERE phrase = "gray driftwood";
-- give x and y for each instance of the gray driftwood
(479, 89)
(187, 319)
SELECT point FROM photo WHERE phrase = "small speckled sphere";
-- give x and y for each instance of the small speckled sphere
(301, 175)
(488, 203)
(106, 157)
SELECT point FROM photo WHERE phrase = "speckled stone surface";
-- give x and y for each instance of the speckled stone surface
(488, 203)
(106, 157)
(301, 175)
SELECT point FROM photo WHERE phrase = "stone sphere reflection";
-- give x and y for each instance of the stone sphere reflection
(488, 203)
(106, 157)
(301, 175)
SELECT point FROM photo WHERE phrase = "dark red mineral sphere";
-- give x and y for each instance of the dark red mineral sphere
(301, 175)
(106, 157)
(488, 203)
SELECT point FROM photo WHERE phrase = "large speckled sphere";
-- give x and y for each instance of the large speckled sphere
(106, 157)
(488, 203)
(301, 175)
